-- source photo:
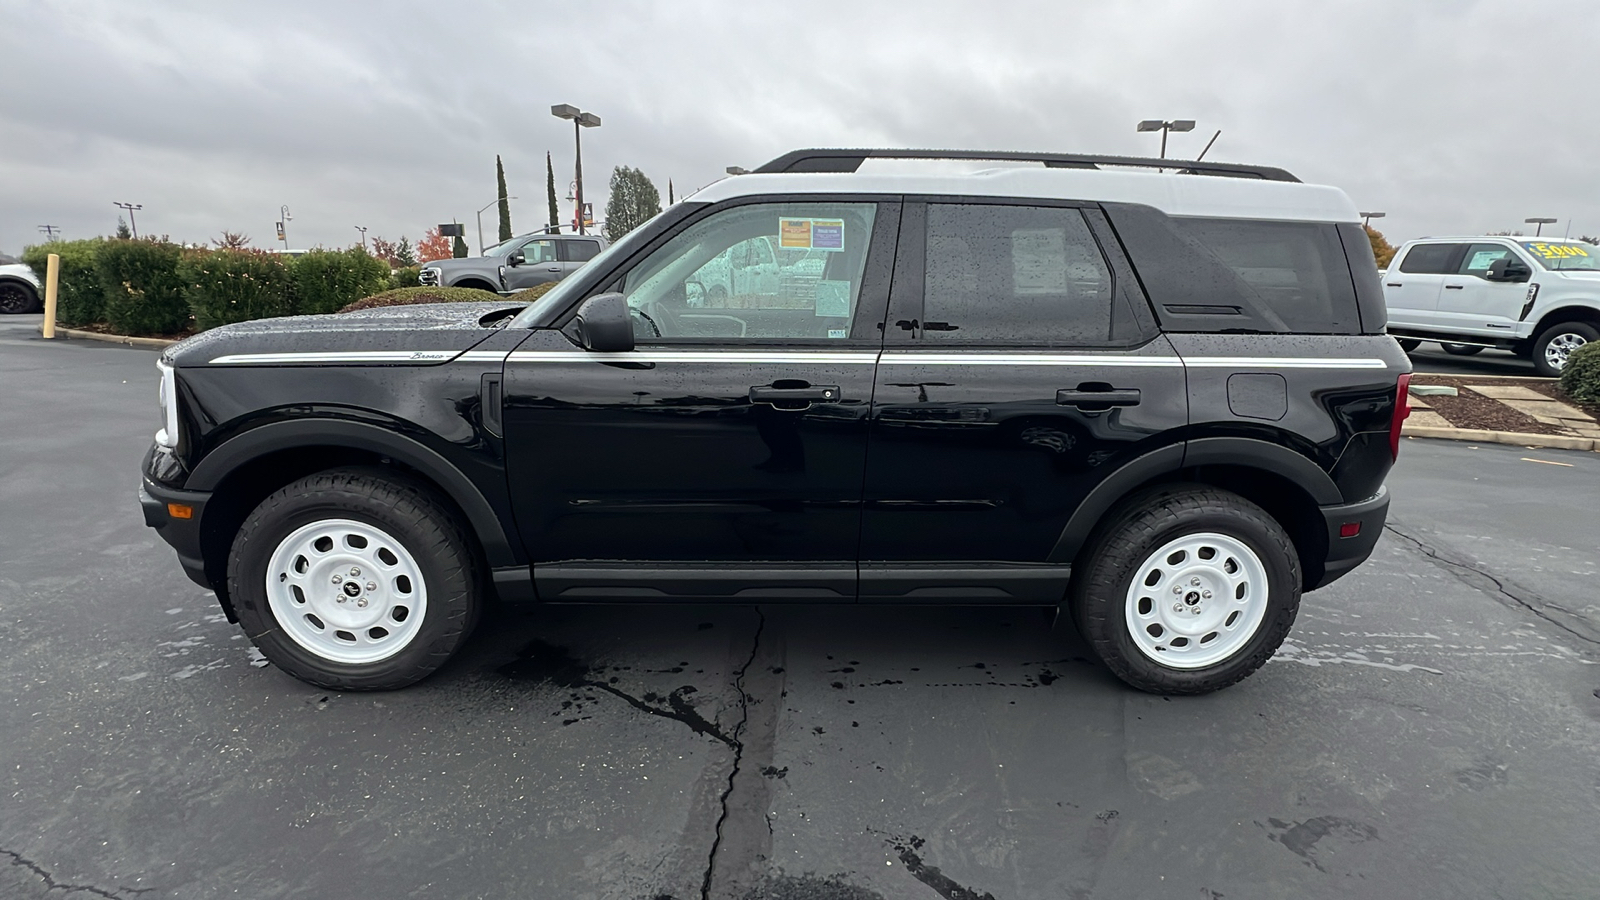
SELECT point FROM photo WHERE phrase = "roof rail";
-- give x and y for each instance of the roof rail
(820, 160)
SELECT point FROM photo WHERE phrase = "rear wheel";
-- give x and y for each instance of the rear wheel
(1408, 345)
(1461, 349)
(1187, 590)
(17, 298)
(1555, 344)
(354, 580)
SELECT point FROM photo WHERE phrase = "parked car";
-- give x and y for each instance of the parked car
(1538, 298)
(517, 264)
(20, 290)
(1161, 402)
(757, 269)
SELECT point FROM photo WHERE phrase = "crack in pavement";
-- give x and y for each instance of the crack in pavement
(1464, 570)
(737, 744)
(940, 883)
(50, 884)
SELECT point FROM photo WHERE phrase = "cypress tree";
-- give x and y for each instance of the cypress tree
(505, 203)
(550, 187)
(459, 248)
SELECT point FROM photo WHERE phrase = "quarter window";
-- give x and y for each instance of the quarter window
(1429, 259)
(1014, 274)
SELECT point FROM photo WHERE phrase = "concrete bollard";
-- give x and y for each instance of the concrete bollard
(52, 280)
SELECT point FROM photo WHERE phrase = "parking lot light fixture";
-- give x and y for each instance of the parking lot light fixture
(1165, 126)
(1367, 217)
(1540, 222)
(133, 223)
(580, 121)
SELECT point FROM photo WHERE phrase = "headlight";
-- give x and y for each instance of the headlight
(168, 435)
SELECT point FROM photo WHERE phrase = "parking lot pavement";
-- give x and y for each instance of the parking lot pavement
(1431, 729)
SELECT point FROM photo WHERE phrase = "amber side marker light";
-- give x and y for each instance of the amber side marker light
(1349, 529)
(180, 510)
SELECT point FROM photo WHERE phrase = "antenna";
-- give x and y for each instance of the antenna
(1208, 145)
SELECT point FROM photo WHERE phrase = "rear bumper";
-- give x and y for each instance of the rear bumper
(183, 534)
(1345, 553)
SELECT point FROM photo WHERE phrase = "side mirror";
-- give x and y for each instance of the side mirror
(1509, 270)
(516, 258)
(603, 324)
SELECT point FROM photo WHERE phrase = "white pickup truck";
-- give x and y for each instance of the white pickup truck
(1537, 297)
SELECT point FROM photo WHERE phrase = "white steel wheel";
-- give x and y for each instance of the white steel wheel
(346, 591)
(1197, 600)
(1560, 347)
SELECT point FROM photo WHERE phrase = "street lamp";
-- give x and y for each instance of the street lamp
(737, 170)
(480, 220)
(1367, 217)
(580, 121)
(134, 225)
(363, 230)
(283, 231)
(1541, 222)
(1164, 127)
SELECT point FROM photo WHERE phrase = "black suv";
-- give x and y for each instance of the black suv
(1156, 394)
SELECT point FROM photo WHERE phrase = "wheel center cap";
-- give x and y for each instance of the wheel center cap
(351, 589)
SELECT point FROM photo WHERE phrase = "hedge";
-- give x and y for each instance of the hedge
(79, 297)
(325, 281)
(410, 296)
(1580, 377)
(225, 286)
(404, 277)
(144, 294)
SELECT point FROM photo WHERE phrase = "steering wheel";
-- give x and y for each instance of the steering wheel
(655, 330)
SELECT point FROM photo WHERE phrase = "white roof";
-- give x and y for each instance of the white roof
(1518, 238)
(1176, 195)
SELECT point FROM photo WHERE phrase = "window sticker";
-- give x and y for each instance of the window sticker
(833, 298)
(1554, 251)
(794, 233)
(811, 234)
(1483, 259)
(1039, 261)
(827, 234)
(838, 332)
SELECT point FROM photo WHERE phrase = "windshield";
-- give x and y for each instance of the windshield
(560, 295)
(505, 247)
(1564, 256)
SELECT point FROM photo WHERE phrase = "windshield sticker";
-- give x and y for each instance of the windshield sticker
(838, 332)
(811, 234)
(1555, 251)
(833, 298)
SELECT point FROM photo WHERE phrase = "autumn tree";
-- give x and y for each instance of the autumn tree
(550, 188)
(634, 199)
(505, 202)
(433, 246)
(1382, 250)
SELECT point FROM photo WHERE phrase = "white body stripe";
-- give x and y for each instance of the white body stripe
(1288, 362)
(352, 356)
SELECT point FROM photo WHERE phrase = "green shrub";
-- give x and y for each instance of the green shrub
(410, 296)
(143, 292)
(224, 286)
(528, 295)
(325, 281)
(1580, 377)
(404, 277)
(79, 297)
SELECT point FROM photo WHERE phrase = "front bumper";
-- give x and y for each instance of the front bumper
(1345, 553)
(183, 534)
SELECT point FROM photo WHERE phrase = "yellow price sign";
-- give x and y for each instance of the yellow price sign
(1556, 251)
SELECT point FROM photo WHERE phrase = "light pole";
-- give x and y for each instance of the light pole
(1164, 127)
(50, 231)
(580, 121)
(130, 207)
(1367, 217)
(1541, 223)
(283, 226)
(363, 230)
(480, 220)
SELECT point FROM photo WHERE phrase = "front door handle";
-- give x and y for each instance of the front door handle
(1455, 287)
(1098, 401)
(553, 269)
(797, 397)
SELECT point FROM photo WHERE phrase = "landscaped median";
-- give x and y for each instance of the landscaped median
(1526, 412)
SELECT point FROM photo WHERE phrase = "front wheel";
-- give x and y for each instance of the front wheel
(1187, 590)
(16, 298)
(1461, 349)
(353, 579)
(1555, 344)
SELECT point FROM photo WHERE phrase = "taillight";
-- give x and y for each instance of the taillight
(1402, 408)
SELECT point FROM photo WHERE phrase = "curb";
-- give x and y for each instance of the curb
(1514, 438)
(142, 343)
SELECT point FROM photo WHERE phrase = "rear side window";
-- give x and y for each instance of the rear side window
(1014, 274)
(581, 251)
(1429, 259)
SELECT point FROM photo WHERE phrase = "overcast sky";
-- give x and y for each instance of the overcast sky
(1453, 117)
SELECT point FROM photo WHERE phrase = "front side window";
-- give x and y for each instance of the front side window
(1480, 257)
(539, 252)
(724, 277)
(1014, 274)
(1429, 259)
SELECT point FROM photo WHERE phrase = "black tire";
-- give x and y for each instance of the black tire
(1142, 526)
(409, 513)
(16, 297)
(1408, 344)
(1548, 362)
(1461, 349)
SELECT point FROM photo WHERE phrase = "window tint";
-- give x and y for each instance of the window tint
(1017, 274)
(1479, 257)
(1429, 259)
(1296, 271)
(771, 271)
(581, 251)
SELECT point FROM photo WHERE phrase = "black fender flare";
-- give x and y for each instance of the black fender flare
(258, 442)
(1232, 451)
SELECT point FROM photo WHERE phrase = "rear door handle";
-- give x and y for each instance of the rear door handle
(794, 397)
(1098, 400)
(1393, 284)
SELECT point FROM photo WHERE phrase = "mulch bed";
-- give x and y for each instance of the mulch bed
(101, 328)
(1470, 410)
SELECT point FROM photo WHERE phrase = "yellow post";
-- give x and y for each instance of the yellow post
(52, 278)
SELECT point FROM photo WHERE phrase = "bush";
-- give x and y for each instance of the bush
(224, 286)
(143, 292)
(411, 296)
(528, 295)
(325, 281)
(79, 297)
(1580, 377)
(404, 277)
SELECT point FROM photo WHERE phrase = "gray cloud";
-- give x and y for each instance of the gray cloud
(1452, 117)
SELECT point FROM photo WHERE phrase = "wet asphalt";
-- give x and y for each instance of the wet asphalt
(1431, 730)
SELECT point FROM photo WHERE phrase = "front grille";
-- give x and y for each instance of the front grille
(428, 276)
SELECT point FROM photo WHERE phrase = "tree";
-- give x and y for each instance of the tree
(122, 228)
(550, 188)
(433, 245)
(232, 240)
(458, 249)
(1589, 239)
(403, 254)
(1382, 250)
(386, 250)
(505, 202)
(634, 199)
(670, 199)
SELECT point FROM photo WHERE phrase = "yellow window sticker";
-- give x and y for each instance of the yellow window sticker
(794, 234)
(1555, 251)
(811, 234)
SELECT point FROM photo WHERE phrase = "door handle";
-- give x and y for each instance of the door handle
(1098, 401)
(553, 269)
(1454, 287)
(797, 397)
(1393, 284)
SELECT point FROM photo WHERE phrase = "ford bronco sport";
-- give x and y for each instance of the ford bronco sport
(1161, 401)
